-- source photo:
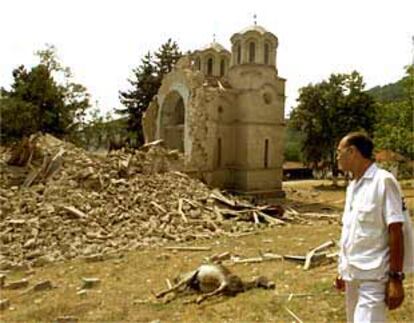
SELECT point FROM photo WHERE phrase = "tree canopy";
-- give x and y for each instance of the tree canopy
(43, 98)
(327, 111)
(146, 81)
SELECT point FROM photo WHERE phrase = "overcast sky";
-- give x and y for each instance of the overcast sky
(102, 41)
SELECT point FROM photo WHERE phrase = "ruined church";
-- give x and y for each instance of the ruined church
(225, 111)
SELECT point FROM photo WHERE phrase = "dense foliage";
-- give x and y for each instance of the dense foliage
(294, 138)
(43, 98)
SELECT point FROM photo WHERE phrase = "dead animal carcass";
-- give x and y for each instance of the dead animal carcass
(215, 279)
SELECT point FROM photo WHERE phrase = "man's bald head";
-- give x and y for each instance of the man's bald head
(361, 142)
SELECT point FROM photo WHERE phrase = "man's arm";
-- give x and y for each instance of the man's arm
(395, 291)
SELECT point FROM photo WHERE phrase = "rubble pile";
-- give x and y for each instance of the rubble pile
(68, 203)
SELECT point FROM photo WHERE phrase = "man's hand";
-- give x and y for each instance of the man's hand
(394, 293)
(339, 284)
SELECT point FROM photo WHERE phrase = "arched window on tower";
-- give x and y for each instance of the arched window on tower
(252, 52)
(266, 53)
(210, 66)
(266, 154)
(198, 63)
(222, 67)
(219, 152)
(238, 54)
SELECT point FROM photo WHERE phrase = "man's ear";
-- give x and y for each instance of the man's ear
(354, 150)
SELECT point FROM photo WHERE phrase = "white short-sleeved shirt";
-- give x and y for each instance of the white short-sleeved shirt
(372, 204)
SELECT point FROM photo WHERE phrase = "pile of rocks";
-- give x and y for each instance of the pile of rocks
(69, 203)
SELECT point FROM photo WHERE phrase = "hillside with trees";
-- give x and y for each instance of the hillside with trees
(388, 93)
(394, 129)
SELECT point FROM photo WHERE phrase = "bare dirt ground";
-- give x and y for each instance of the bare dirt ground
(127, 283)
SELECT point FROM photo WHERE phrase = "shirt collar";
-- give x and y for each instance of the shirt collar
(370, 172)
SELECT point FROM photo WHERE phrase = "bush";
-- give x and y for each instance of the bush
(17, 119)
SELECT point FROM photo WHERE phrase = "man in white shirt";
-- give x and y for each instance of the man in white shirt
(376, 240)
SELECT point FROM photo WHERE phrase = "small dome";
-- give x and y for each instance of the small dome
(215, 46)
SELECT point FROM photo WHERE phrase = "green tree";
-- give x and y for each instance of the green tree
(166, 57)
(395, 126)
(293, 143)
(146, 81)
(45, 97)
(145, 85)
(329, 110)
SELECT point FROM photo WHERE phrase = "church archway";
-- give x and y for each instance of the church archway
(172, 121)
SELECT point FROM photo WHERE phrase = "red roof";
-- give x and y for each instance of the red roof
(388, 155)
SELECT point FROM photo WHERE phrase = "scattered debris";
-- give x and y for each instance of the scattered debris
(147, 146)
(74, 211)
(67, 319)
(305, 217)
(293, 315)
(178, 248)
(2, 280)
(315, 255)
(313, 252)
(95, 258)
(18, 284)
(218, 258)
(262, 258)
(41, 286)
(4, 304)
(88, 283)
(22, 152)
(292, 295)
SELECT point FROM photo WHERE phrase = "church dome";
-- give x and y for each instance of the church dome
(214, 46)
(212, 60)
(254, 45)
(255, 29)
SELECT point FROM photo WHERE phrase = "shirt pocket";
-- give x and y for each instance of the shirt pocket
(367, 221)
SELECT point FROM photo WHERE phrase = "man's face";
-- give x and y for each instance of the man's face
(343, 155)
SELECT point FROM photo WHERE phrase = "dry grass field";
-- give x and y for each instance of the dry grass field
(127, 283)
